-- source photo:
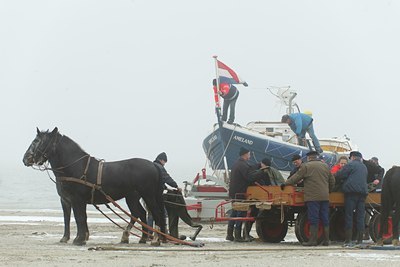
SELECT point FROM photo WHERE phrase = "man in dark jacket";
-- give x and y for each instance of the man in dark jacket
(318, 182)
(173, 214)
(354, 176)
(240, 180)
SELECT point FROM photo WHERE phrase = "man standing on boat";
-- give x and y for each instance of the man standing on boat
(301, 124)
(230, 94)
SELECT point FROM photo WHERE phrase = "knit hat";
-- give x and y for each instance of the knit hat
(355, 154)
(312, 153)
(266, 161)
(296, 157)
(162, 156)
(243, 151)
(285, 118)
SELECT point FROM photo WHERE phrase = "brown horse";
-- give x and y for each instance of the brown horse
(390, 200)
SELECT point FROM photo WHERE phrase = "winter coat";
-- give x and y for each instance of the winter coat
(165, 177)
(269, 176)
(240, 179)
(299, 123)
(374, 171)
(318, 180)
(354, 177)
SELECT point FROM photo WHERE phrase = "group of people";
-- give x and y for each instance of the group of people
(350, 175)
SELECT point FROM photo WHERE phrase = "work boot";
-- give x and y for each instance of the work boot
(347, 237)
(238, 235)
(360, 235)
(246, 231)
(366, 234)
(313, 236)
(229, 234)
(325, 242)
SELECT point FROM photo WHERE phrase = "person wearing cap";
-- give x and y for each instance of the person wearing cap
(318, 182)
(297, 161)
(166, 179)
(230, 94)
(301, 124)
(271, 175)
(354, 176)
(239, 181)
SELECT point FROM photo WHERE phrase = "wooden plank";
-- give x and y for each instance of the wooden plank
(294, 196)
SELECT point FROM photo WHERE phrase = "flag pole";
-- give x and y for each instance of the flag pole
(218, 113)
(216, 93)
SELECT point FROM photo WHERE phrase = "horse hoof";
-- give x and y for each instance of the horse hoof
(79, 242)
(155, 243)
(142, 241)
(124, 241)
(395, 242)
(64, 239)
(379, 242)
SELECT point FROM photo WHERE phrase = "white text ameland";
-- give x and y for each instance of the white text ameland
(243, 140)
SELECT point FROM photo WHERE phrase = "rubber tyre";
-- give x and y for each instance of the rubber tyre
(302, 228)
(269, 228)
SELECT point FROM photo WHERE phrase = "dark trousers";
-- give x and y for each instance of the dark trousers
(229, 104)
(318, 210)
(236, 224)
(354, 201)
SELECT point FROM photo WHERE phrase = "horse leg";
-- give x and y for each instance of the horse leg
(66, 206)
(185, 217)
(157, 211)
(385, 210)
(80, 215)
(395, 223)
(137, 211)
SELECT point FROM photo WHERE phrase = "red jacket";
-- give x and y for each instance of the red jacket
(335, 168)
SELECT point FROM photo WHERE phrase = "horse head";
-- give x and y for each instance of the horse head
(41, 147)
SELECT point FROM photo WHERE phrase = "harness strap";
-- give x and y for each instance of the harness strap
(86, 169)
(100, 172)
(98, 181)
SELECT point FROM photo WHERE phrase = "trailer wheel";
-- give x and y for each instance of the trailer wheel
(302, 228)
(375, 226)
(269, 227)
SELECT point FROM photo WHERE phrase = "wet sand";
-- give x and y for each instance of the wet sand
(31, 238)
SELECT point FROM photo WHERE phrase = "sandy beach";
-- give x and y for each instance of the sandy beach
(31, 238)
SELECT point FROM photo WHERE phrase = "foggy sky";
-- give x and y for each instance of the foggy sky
(133, 78)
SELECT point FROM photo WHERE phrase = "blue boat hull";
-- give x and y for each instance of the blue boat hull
(231, 138)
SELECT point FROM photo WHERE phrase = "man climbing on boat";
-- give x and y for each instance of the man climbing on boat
(301, 124)
(230, 94)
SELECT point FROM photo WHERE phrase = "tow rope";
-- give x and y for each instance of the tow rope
(98, 188)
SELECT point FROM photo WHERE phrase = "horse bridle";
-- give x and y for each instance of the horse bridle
(44, 153)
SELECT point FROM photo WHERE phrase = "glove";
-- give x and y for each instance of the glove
(283, 187)
(245, 84)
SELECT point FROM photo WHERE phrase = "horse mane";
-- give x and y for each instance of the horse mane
(71, 143)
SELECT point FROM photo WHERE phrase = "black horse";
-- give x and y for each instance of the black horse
(129, 179)
(390, 200)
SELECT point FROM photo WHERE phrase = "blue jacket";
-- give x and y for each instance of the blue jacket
(299, 122)
(354, 176)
